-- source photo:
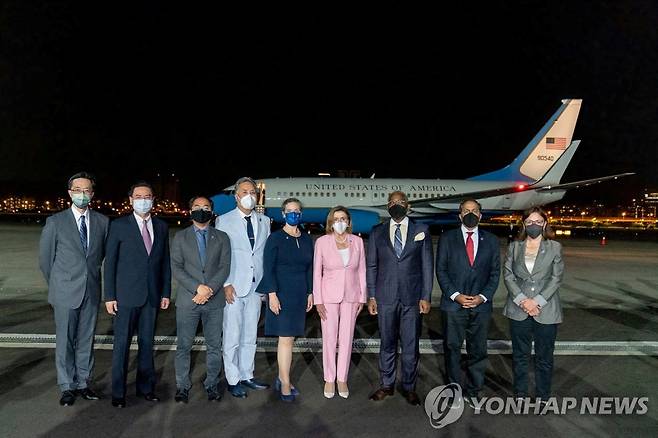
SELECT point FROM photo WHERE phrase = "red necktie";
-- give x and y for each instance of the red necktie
(470, 249)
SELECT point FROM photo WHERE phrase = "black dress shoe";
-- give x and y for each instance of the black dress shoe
(88, 394)
(149, 396)
(237, 391)
(381, 394)
(182, 396)
(411, 397)
(213, 394)
(254, 384)
(68, 398)
(119, 402)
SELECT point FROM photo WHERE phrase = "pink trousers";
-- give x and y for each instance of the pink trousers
(338, 329)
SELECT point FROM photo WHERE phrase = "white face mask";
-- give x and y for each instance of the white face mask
(248, 202)
(142, 206)
(340, 227)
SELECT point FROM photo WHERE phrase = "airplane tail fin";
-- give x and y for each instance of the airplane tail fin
(544, 150)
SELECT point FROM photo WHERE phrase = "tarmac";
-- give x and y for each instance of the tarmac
(607, 347)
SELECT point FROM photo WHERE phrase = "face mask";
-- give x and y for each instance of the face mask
(397, 211)
(470, 220)
(340, 227)
(534, 230)
(201, 216)
(142, 206)
(248, 202)
(81, 200)
(293, 218)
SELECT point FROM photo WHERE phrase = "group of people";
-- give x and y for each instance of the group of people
(224, 272)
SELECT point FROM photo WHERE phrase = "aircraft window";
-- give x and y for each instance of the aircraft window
(382, 195)
(333, 195)
(303, 193)
(315, 194)
(292, 194)
(352, 195)
(375, 195)
(297, 194)
(278, 193)
(347, 194)
(413, 196)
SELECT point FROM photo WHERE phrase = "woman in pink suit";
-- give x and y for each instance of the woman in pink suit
(339, 292)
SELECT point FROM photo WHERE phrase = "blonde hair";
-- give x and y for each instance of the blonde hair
(330, 219)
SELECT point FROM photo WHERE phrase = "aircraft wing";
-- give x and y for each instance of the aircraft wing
(583, 183)
(458, 197)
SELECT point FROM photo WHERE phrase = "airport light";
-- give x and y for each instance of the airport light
(324, 174)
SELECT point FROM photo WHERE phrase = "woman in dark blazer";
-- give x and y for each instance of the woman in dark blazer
(533, 274)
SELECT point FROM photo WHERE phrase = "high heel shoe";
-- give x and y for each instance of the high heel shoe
(277, 388)
(330, 394)
(344, 394)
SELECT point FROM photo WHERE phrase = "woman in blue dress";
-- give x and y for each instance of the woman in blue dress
(288, 283)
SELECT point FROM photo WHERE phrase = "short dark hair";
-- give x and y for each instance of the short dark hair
(85, 175)
(194, 198)
(461, 204)
(139, 184)
(290, 200)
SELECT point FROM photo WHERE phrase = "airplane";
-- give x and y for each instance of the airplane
(533, 178)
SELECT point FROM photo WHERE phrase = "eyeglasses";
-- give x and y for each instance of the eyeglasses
(537, 222)
(85, 191)
(401, 202)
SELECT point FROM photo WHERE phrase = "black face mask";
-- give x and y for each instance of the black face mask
(201, 216)
(397, 211)
(534, 230)
(470, 220)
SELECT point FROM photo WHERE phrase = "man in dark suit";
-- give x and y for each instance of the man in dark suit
(71, 251)
(468, 269)
(399, 278)
(201, 262)
(137, 282)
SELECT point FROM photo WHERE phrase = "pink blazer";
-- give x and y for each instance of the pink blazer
(333, 282)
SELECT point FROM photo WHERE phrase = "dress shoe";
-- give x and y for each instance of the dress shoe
(287, 398)
(213, 394)
(254, 384)
(411, 397)
(68, 398)
(332, 392)
(182, 396)
(381, 394)
(343, 394)
(150, 396)
(277, 387)
(119, 402)
(237, 391)
(88, 394)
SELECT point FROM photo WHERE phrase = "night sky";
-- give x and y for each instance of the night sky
(210, 94)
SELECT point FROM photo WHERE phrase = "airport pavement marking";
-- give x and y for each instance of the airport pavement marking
(362, 345)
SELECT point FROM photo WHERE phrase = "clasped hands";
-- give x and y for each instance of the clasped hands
(530, 307)
(203, 294)
(469, 301)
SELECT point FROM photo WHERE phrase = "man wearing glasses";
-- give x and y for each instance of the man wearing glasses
(71, 251)
(399, 264)
(468, 269)
(200, 261)
(137, 282)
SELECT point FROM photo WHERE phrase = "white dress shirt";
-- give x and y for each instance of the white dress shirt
(404, 227)
(254, 223)
(78, 215)
(149, 224)
(476, 239)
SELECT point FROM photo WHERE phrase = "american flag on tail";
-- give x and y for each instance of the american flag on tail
(556, 143)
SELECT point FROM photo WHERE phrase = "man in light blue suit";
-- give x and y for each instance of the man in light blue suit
(248, 231)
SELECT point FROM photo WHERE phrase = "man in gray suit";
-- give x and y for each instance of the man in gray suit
(71, 251)
(201, 261)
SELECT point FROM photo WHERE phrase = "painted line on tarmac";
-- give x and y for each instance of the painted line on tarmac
(362, 345)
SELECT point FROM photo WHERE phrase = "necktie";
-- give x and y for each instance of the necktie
(398, 241)
(146, 237)
(470, 248)
(201, 241)
(250, 231)
(83, 233)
